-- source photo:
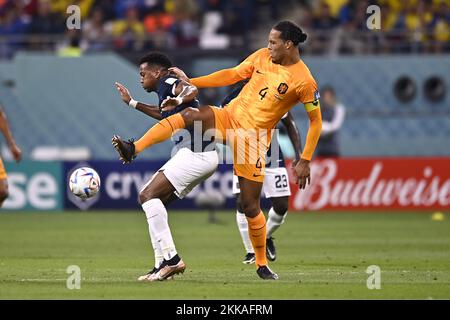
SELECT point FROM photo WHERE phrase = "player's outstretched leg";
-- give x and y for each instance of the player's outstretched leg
(126, 149)
(164, 129)
(153, 198)
(276, 217)
(159, 257)
(242, 224)
(250, 197)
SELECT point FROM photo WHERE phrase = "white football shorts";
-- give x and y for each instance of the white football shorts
(276, 183)
(186, 169)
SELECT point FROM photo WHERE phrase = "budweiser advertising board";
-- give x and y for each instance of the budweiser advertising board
(376, 183)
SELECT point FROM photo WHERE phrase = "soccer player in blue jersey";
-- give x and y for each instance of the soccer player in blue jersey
(188, 167)
(275, 185)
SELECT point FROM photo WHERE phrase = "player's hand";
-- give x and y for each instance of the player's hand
(303, 173)
(124, 93)
(180, 73)
(170, 103)
(16, 152)
(294, 163)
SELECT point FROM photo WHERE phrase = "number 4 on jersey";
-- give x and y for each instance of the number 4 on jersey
(263, 92)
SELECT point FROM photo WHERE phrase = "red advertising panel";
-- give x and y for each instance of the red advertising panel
(376, 183)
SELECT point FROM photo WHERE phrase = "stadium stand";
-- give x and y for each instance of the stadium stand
(338, 27)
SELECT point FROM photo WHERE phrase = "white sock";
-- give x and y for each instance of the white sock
(242, 223)
(156, 248)
(159, 227)
(274, 222)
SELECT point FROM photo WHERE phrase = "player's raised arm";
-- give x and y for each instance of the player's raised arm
(150, 110)
(225, 77)
(309, 96)
(4, 128)
(294, 135)
(185, 92)
(219, 78)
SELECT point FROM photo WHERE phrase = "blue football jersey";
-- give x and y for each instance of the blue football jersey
(189, 138)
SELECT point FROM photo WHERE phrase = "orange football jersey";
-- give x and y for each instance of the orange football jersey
(271, 92)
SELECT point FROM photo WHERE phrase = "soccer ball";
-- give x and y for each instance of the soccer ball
(84, 183)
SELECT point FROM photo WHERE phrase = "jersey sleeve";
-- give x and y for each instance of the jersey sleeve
(245, 69)
(309, 95)
(169, 85)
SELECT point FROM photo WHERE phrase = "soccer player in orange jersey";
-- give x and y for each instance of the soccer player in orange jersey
(16, 152)
(278, 81)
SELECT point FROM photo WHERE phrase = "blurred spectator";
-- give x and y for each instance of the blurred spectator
(121, 7)
(211, 5)
(107, 7)
(30, 7)
(238, 17)
(96, 31)
(13, 23)
(158, 20)
(60, 6)
(337, 26)
(440, 27)
(12, 20)
(186, 28)
(46, 22)
(152, 6)
(324, 20)
(157, 24)
(273, 6)
(335, 6)
(333, 114)
(323, 25)
(129, 33)
(350, 37)
(71, 46)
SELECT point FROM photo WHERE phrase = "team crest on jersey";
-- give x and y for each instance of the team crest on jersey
(283, 88)
(316, 98)
(316, 95)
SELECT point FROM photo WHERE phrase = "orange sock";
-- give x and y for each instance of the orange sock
(161, 131)
(257, 233)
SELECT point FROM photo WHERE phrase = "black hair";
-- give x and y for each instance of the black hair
(158, 59)
(290, 31)
(328, 88)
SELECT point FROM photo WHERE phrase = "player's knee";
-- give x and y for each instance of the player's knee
(281, 207)
(250, 208)
(189, 115)
(146, 195)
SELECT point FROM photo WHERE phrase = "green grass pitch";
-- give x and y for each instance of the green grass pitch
(320, 256)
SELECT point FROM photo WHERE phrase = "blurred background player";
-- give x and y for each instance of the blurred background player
(187, 168)
(15, 150)
(333, 114)
(276, 185)
(257, 109)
